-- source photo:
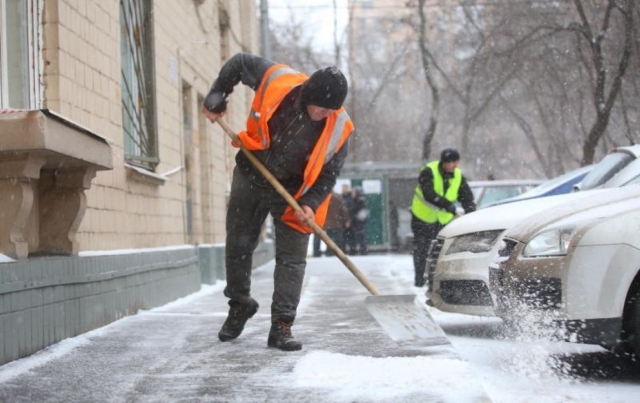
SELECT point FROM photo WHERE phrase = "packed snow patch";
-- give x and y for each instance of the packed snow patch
(380, 379)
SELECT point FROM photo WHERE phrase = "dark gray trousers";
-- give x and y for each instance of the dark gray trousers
(248, 208)
(423, 234)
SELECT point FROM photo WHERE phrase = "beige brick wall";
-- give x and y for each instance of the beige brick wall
(81, 51)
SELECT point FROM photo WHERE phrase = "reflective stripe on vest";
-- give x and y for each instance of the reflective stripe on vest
(428, 212)
(334, 141)
(276, 84)
(337, 130)
(269, 78)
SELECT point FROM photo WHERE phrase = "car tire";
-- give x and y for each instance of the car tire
(631, 324)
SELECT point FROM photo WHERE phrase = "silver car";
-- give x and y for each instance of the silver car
(575, 269)
(458, 278)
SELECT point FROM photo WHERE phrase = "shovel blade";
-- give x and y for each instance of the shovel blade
(406, 320)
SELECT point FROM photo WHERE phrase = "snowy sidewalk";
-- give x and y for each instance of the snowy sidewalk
(172, 353)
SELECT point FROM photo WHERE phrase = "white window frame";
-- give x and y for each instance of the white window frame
(31, 64)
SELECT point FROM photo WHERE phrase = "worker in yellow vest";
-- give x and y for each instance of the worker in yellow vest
(440, 185)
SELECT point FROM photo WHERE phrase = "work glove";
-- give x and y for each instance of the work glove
(216, 102)
(451, 208)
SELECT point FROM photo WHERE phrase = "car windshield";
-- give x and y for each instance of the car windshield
(491, 195)
(553, 183)
(605, 170)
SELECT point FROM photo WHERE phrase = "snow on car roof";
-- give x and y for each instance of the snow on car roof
(506, 182)
(633, 150)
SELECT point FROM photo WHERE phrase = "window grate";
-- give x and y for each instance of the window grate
(138, 90)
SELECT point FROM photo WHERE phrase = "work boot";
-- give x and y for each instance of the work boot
(239, 314)
(280, 337)
(420, 282)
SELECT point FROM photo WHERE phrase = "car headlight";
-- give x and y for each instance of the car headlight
(476, 242)
(552, 242)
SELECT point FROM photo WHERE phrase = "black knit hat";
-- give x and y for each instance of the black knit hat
(326, 88)
(449, 155)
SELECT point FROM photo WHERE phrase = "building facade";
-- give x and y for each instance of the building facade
(114, 185)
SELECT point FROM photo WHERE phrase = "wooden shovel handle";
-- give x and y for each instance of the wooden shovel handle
(294, 204)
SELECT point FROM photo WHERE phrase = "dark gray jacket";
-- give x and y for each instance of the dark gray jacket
(293, 133)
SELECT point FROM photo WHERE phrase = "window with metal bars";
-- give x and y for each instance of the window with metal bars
(138, 89)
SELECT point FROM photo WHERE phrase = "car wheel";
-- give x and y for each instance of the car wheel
(631, 324)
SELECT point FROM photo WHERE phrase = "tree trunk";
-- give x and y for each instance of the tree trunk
(435, 94)
(604, 102)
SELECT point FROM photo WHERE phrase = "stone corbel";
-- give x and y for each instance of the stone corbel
(62, 207)
(19, 176)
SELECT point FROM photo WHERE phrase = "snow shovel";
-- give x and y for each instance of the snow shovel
(403, 317)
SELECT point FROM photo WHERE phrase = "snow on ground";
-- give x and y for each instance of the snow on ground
(357, 378)
(5, 259)
(510, 368)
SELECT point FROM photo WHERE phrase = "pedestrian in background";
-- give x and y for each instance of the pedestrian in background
(335, 225)
(299, 130)
(337, 220)
(348, 237)
(359, 216)
(440, 185)
(317, 243)
(394, 224)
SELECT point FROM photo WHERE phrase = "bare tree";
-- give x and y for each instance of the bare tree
(475, 84)
(383, 96)
(604, 99)
(294, 42)
(425, 56)
(554, 73)
(337, 48)
(521, 87)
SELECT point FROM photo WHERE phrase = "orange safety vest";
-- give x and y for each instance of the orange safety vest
(275, 85)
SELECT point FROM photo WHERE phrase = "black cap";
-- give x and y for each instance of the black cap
(326, 88)
(449, 155)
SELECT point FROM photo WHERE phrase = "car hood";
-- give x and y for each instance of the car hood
(507, 215)
(607, 202)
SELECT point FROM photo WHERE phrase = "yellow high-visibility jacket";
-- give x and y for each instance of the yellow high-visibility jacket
(428, 212)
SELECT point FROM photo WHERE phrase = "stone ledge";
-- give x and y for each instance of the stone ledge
(46, 164)
(145, 176)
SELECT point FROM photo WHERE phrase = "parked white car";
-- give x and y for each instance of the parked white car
(556, 186)
(491, 191)
(457, 268)
(575, 269)
(630, 174)
(609, 166)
